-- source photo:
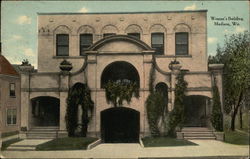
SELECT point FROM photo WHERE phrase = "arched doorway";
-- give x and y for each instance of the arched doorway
(120, 71)
(120, 125)
(196, 110)
(162, 88)
(45, 111)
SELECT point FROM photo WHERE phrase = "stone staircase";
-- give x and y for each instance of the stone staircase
(201, 133)
(40, 132)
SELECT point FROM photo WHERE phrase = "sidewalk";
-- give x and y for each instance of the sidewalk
(205, 149)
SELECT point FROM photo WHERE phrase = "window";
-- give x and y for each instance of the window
(12, 90)
(11, 116)
(181, 43)
(86, 40)
(62, 45)
(135, 35)
(108, 34)
(157, 42)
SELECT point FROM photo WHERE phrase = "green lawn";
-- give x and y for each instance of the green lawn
(6, 144)
(234, 137)
(68, 143)
(165, 141)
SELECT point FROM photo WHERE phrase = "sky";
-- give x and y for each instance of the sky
(19, 20)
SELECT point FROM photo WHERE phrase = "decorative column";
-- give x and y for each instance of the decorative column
(26, 69)
(65, 67)
(95, 123)
(216, 77)
(175, 68)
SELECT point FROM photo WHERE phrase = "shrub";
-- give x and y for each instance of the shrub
(217, 116)
(79, 94)
(176, 116)
(155, 107)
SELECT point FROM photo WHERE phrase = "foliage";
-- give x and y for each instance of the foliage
(68, 143)
(236, 59)
(25, 62)
(155, 107)
(79, 94)
(117, 92)
(217, 116)
(6, 144)
(152, 78)
(238, 138)
(165, 141)
(176, 116)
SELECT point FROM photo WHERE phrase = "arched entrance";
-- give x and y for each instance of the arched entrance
(45, 111)
(120, 125)
(196, 110)
(120, 71)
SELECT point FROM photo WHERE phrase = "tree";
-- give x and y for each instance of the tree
(119, 91)
(176, 116)
(236, 59)
(79, 95)
(217, 116)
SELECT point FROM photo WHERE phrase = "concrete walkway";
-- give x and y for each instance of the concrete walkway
(205, 148)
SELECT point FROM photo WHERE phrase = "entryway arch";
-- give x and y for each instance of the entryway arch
(120, 125)
(45, 111)
(196, 109)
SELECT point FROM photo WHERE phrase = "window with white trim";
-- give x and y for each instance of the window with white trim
(62, 45)
(181, 43)
(157, 42)
(86, 40)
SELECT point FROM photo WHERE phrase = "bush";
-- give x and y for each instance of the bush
(176, 116)
(217, 116)
(155, 110)
(79, 94)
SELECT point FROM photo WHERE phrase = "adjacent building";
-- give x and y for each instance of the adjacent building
(9, 97)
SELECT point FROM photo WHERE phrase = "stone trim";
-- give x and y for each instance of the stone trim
(69, 57)
(71, 13)
(9, 76)
(44, 90)
(173, 56)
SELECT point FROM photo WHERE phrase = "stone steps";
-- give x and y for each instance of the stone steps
(49, 132)
(200, 133)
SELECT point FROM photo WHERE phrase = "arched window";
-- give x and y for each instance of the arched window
(120, 71)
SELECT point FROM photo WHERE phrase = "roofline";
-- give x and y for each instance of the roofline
(150, 12)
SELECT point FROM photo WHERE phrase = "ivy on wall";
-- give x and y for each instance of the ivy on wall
(176, 116)
(79, 95)
(119, 91)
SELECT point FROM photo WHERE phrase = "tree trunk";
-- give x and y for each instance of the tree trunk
(233, 122)
(235, 111)
(241, 122)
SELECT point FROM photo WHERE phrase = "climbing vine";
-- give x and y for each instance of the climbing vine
(79, 95)
(121, 90)
(155, 105)
(176, 116)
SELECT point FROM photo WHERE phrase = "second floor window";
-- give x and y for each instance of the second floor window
(12, 90)
(181, 43)
(108, 34)
(157, 42)
(86, 40)
(135, 35)
(62, 45)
